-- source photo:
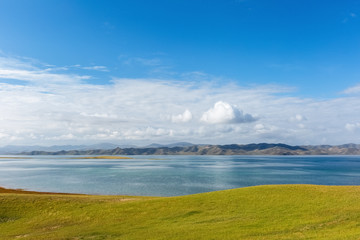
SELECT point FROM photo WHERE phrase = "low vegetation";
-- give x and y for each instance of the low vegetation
(262, 212)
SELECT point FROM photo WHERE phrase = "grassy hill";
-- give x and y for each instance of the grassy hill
(263, 212)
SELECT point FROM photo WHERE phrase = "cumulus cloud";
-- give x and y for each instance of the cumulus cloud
(223, 112)
(182, 118)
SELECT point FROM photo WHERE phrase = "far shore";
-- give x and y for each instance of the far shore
(104, 157)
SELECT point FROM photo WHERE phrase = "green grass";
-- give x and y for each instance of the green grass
(263, 212)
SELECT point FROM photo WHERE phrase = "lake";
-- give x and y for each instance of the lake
(173, 175)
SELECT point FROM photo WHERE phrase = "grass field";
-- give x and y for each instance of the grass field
(263, 212)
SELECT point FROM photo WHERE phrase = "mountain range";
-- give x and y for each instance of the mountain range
(16, 149)
(230, 149)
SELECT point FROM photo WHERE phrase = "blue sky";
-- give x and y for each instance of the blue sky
(305, 44)
(304, 53)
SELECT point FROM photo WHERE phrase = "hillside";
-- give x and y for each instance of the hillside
(231, 149)
(263, 212)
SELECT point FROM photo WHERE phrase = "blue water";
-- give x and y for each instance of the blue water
(173, 175)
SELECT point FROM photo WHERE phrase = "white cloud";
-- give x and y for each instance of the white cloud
(223, 112)
(182, 118)
(263, 130)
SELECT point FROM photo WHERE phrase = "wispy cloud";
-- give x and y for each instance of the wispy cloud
(39, 76)
(352, 90)
(97, 68)
(349, 17)
(36, 72)
(108, 27)
(150, 66)
(143, 61)
(285, 66)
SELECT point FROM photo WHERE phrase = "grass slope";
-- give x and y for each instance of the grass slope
(263, 212)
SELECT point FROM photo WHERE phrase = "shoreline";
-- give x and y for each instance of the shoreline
(23, 191)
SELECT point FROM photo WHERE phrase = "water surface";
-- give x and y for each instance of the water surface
(173, 175)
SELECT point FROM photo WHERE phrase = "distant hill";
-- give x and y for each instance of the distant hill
(15, 149)
(231, 149)
(178, 144)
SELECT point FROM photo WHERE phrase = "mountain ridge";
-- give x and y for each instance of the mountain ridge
(16, 149)
(229, 149)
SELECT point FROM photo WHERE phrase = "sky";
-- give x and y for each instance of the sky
(218, 72)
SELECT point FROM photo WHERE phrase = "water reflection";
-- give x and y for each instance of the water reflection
(173, 175)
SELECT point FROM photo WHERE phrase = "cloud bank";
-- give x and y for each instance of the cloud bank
(42, 104)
